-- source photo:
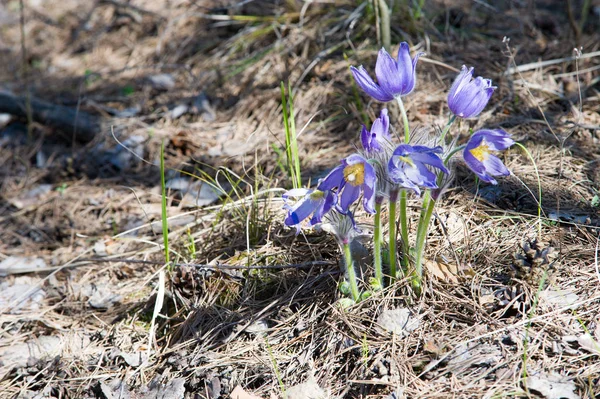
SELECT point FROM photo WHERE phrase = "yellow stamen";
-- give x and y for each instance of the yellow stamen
(317, 195)
(482, 152)
(407, 160)
(355, 174)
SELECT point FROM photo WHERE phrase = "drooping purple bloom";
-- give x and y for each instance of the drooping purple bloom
(353, 176)
(315, 202)
(394, 77)
(468, 96)
(478, 154)
(372, 140)
(407, 167)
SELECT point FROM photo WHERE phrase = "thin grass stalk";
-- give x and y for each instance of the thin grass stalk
(528, 326)
(539, 208)
(351, 273)
(275, 368)
(165, 223)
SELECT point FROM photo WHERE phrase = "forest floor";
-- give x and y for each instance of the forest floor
(88, 307)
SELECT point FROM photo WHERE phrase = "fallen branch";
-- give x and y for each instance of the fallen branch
(78, 124)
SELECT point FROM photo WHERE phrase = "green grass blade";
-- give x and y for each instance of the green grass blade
(165, 224)
(294, 138)
(291, 143)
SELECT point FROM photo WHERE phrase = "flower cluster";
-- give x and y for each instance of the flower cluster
(385, 169)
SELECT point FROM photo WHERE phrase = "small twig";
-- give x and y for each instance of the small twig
(541, 64)
(134, 8)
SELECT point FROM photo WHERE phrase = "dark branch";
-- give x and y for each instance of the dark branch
(78, 124)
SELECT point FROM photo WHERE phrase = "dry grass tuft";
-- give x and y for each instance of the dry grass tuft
(508, 295)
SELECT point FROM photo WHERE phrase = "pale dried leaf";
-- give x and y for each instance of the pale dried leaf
(398, 321)
(307, 390)
(559, 298)
(552, 386)
(442, 270)
(239, 393)
(20, 264)
(473, 354)
(21, 295)
(589, 344)
(174, 389)
(31, 197)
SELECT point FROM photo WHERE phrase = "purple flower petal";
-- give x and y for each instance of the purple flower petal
(300, 212)
(497, 140)
(369, 189)
(478, 154)
(467, 97)
(349, 196)
(461, 80)
(389, 75)
(407, 166)
(494, 166)
(394, 77)
(365, 139)
(430, 159)
(334, 179)
(473, 163)
(385, 123)
(369, 86)
(329, 202)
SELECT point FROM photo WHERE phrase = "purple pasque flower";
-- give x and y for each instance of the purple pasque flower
(478, 154)
(372, 140)
(408, 166)
(395, 78)
(314, 202)
(468, 96)
(353, 176)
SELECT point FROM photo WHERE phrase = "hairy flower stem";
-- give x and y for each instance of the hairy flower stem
(403, 202)
(351, 272)
(377, 239)
(404, 119)
(392, 235)
(428, 205)
(448, 125)
(404, 229)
